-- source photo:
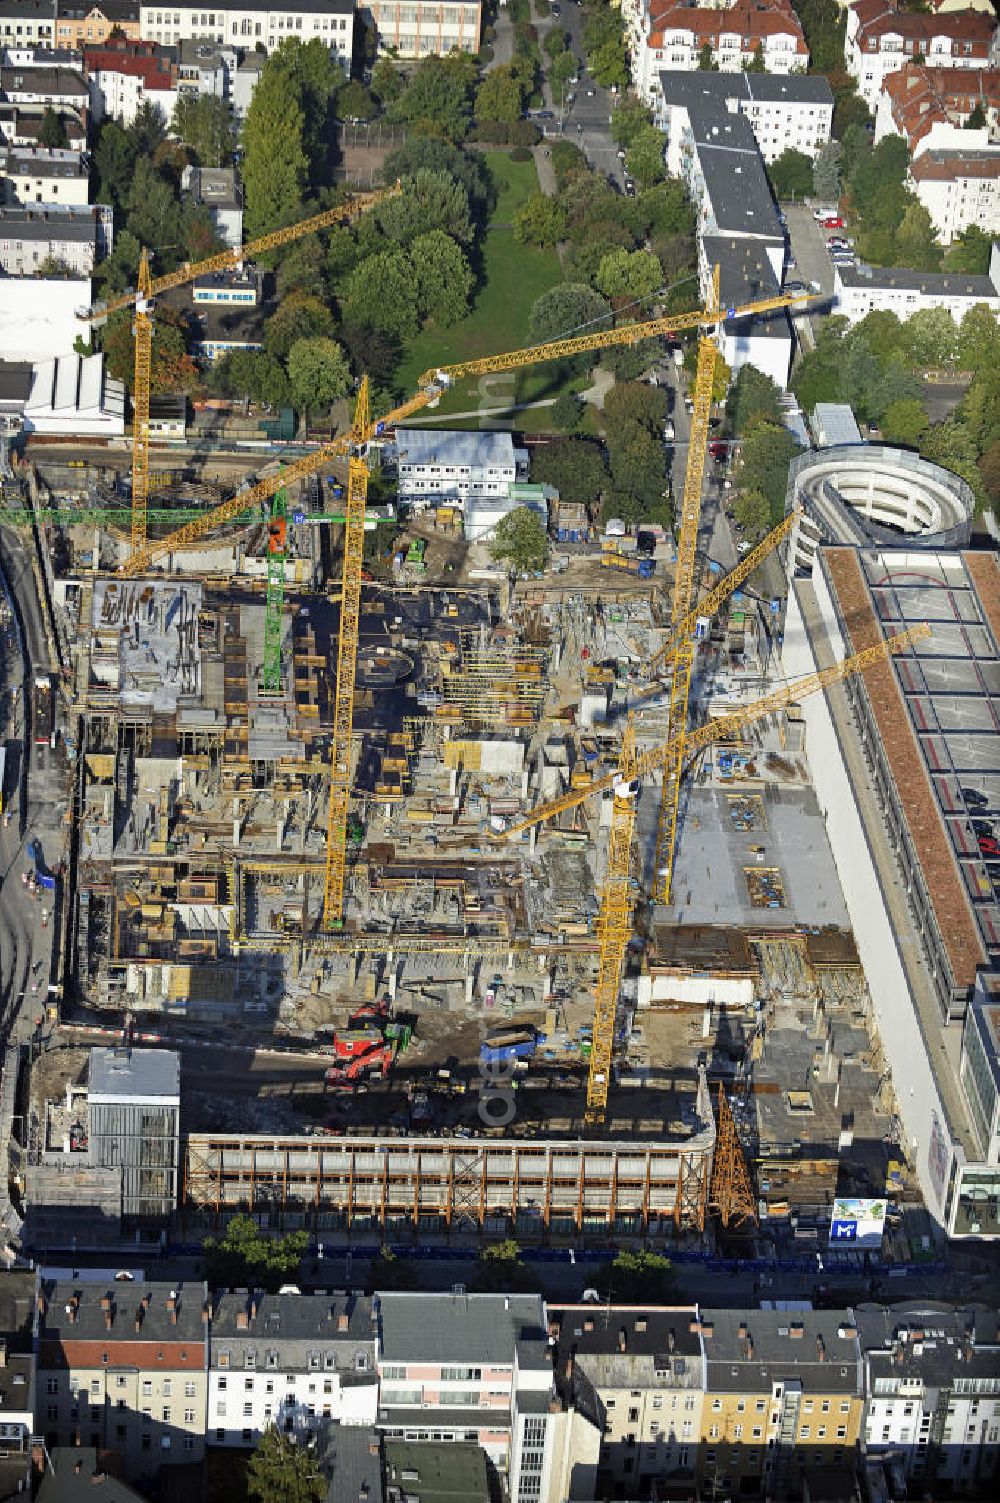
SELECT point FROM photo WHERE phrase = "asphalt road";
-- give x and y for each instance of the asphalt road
(586, 116)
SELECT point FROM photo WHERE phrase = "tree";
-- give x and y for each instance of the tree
(752, 395)
(555, 42)
(877, 179)
(500, 1269)
(114, 159)
(573, 467)
(638, 1277)
(970, 253)
(301, 315)
(380, 293)
(520, 539)
(568, 161)
(931, 338)
(429, 201)
(442, 278)
(499, 97)
(757, 63)
(791, 174)
(387, 83)
(318, 373)
(52, 132)
(435, 101)
(637, 464)
(301, 266)
(861, 380)
(205, 123)
(567, 412)
(354, 102)
(826, 171)
(540, 221)
(989, 470)
(275, 165)
(589, 250)
(371, 352)
(148, 129)
(244, 1256)
(706, 59)
(767, 452)
(666, 209)
(609, 65)
(753, 512)
(977, 118)
(629, 274)
(950, 444)
(568, 308)
(562, 69)
(253, 374)
(905, 422)
(916, 240)
(154, 214)
(635, 402)
(310, 76)
(120, 269)
(978, 340)
(279, 1471)
(644, 158)
(629, 118)
(389, 1272)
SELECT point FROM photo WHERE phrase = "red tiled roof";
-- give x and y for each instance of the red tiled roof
(922, 97)
(959, 25)
(755, 19)
(143, 60)
(945, 166)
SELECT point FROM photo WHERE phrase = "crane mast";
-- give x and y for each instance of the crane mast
(143, 328)
(347, 656)
(277, 544)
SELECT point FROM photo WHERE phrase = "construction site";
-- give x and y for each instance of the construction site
(510, 899)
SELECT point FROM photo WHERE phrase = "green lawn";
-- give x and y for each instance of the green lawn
(514, 276)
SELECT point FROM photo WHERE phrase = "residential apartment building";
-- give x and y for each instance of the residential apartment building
(245, 25)
(640, 1369)
(58, 87)
(43, 175)
(667, 34)
(122, 75)
(958, 188)
(785, 114)
(206, 68)
(933, 1383)
(930, 106)
(78, 236)
(784, 1394)
(27, 23)
(882, 38)
(472, 1367)
(420, 28)
(289, 1360)
(125, 1369)
(859, 290)
(17, 1378)
(21, 125)
(92, 21)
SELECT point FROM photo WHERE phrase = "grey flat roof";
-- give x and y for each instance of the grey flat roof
(134, 1074)
(681, 88)
(50, 81)
(15, 380)
(733, 171)
(930, 1341)
(836, 422)
(42, 162)
(451, 447)
(17, 1308)
(746, 274)
(350, 1456)
(650, 1330)
(34, 224)
(126, 1304)
(929, 283)
(431, 1471)
(479, 1329)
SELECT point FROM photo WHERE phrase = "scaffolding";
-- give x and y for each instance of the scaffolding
(492, 683)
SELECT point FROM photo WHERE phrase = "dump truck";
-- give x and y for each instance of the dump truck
(643, 568)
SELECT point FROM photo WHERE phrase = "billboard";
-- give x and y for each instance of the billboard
(857, 1224)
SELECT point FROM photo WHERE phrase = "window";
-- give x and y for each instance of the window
(147, 1388)
(247, 1411)
(825, 1406)
(166, 1414)
(222, 1385)
(121, 1381)
(189, 1390)
(52, 1385)
(248, 1385)
(189, 1416)
(841, 1432)
(166, 1388)
(633, 1416)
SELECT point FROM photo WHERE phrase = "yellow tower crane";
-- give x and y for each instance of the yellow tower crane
(150, 287)
(353, 444)
(614, 924)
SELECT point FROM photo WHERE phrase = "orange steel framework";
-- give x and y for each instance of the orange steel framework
(730, 1194)
(364, 1183)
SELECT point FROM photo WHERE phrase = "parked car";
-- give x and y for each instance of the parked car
(823, 214)
(984, 827)
(795, 287)
(989, 845)
(833, 223)
(975, 799)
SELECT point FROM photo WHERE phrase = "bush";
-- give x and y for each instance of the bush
(520, 154)
(524, 133)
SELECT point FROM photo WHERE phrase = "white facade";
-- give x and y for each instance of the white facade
(423, 27)
(116, 92)
(44, 175)
(856, 293)
(443, 466)
(59, 87)
(245, 25)
(71, 234)
(27, 23)
(877, 43)
(673, 39)
(959, 188)
(784, 113)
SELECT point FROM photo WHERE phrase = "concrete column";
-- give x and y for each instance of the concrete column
(706, 1021)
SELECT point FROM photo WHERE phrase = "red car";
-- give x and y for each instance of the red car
(836, 223)
(988, 845)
